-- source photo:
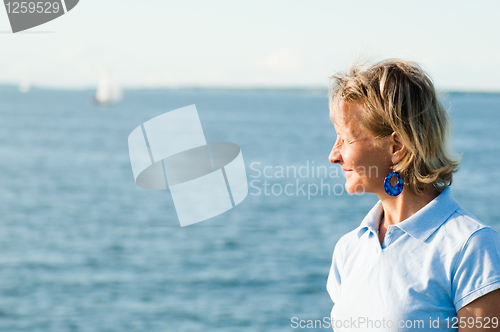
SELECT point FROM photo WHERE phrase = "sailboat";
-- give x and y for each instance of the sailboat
(24, 86)
(108, 92)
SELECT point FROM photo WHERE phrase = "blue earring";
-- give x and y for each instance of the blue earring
(393, 190)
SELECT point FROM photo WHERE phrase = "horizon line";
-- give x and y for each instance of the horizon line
(235, 88)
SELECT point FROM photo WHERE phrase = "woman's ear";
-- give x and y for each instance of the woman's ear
(398, 149)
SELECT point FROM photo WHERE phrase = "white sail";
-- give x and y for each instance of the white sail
(24, 86)
(108, 91)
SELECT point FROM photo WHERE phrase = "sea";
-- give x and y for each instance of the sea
(83, 248)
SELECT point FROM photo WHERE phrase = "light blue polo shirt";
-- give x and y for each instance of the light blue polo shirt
(429, 266)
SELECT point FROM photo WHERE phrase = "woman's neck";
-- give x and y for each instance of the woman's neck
(401, 207)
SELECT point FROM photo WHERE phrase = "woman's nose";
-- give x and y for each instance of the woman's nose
(335, 157)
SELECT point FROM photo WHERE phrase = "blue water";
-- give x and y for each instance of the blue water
(82, 248)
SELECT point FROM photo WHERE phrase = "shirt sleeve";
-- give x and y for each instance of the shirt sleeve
(333, 283)
(477, 269)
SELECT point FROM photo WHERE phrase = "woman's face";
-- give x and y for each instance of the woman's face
(365, 160)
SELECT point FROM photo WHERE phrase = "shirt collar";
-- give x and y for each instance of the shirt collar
(371, 221)
(420, 225)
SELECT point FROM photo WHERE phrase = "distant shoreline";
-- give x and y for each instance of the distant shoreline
(315, 90)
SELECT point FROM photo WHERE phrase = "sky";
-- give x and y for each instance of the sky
(258, 43)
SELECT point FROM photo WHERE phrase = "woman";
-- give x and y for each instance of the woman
(418, 260)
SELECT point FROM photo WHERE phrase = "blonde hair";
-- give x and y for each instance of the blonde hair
(398, 97)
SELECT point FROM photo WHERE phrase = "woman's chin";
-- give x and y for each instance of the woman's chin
(350, 189)
(355, 189)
